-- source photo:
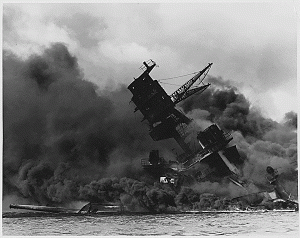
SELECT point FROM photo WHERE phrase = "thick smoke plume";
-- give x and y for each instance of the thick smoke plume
(260, 141)
(65, 139)
(61, 131)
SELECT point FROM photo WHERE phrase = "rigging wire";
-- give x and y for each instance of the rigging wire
(171, 84)
(159, 80)
(178, 85)
(178, 76)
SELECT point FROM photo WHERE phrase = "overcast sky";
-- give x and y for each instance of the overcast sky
(252, 44)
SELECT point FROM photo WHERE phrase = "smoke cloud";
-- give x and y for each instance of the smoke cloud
(61, 130)
(66, 139)
(261, 142)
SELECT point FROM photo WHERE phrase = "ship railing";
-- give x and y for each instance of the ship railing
(200, 156)
(227, 136)
(145, 162)
(184, 157)
(149, 62)
(181, 129)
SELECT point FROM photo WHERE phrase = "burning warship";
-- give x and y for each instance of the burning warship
(214, 159)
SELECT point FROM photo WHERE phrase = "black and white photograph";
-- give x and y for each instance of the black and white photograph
(150, 118)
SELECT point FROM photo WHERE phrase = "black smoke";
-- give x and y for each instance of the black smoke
(261, 141)
(230, 109)
(65, 139)
(62, 131)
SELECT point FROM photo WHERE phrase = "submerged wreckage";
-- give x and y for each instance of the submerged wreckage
(89, 208)
(214, 159)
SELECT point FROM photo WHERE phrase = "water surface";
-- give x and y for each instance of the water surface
(264, 223)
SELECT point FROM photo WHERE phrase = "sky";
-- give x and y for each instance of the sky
(251, 44)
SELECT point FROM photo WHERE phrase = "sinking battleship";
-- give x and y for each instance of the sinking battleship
(215, 159)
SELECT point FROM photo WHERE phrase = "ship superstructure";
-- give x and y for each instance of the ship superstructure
(158, 108)
(166, 121)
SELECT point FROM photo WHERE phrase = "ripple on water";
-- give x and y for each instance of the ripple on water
(141, 225)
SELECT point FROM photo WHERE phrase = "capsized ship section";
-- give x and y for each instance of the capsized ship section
(273, 198)
(43, 208)
(89, 208)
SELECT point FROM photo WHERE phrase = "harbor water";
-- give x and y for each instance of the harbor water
(269, 223)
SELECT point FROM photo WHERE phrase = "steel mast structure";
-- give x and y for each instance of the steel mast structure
(158, 108)
(165, 121)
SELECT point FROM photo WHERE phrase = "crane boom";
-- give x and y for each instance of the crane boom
(180, 92)
(192, 91)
